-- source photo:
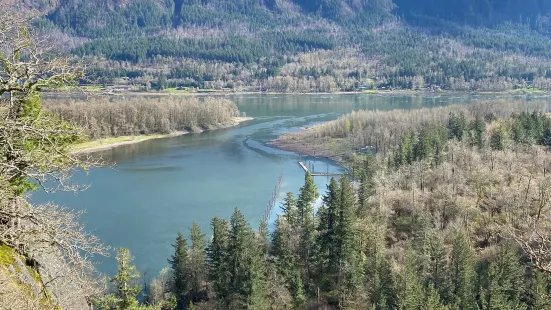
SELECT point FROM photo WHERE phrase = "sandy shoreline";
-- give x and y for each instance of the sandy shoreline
(111, 143)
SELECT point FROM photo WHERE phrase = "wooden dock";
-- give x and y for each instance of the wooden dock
(314, 174)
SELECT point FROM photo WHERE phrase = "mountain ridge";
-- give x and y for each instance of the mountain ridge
(271, 44)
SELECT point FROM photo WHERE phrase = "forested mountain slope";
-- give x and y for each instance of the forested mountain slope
(299, 45)
(481, 12)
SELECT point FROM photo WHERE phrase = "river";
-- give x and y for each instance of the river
(159, 187)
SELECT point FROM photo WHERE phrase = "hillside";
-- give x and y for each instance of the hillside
(299, 45)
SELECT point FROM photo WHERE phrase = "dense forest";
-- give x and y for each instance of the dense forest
(449, 217)
(302, 46)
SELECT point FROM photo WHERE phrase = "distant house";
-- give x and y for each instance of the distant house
(368, 150)
(121, 88)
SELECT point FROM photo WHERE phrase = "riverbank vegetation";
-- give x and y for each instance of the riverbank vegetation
(113, 117)
(382, 131)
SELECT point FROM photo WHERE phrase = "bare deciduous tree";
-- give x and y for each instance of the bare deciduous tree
(34, 148)
(536, 243)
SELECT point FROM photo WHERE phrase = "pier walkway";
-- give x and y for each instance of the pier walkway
(315, 174)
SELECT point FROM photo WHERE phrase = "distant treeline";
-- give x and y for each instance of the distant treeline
(233, 49)
(110, 117)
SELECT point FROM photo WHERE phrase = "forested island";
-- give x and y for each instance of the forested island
(111, 121)
(181, 46)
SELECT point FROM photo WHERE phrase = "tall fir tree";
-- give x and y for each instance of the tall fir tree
(539, 291)
(435, 260)
(349, 272)
(290, 211)
(285, 260)
(411, 295)
(404, 152)
(196, 261)
(259, 270)
(328, 215)
(218, 268)
(433, 300)
(546, 136)
(179, 262)
(504, 287)
(126, 281)
(367, 182)
(379, 279)
(242, 252)
(307, 196)
(457, 126)
(126, 286)
(478, 126)
(422, 147)
(462, 273)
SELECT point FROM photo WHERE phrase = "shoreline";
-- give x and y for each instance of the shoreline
(114, 142)
(241, 93)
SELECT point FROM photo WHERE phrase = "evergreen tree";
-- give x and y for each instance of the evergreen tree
(217, 260)
(494, 295)
(518, 131)
(499, 136)
(411, 288)
(546, 136)
(404, 153)
(435, 259)
(179, 262)
(326, 242)
(197, 261)
(349, 273)
(536, 126)
(422, 147)
(127, 288)
(367, 182)
(539, 291)
(457, 126)
(241, 255)
(290, 211)
(125, 284)
(478, 125)
(378, 274)
(433, 300)
(307, 196)
(504, 281)
(259, 270)
(461, 273)
(284, 256)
